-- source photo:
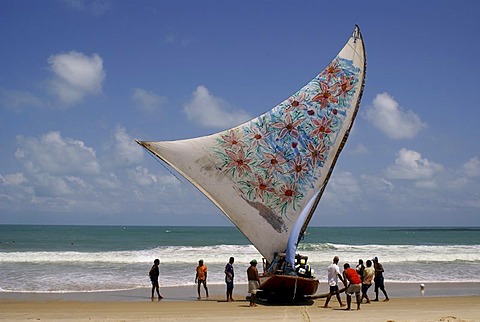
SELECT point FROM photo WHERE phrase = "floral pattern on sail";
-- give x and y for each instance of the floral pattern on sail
(277, 158)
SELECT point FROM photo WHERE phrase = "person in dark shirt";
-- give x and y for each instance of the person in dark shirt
(154, 274)
(379, 283)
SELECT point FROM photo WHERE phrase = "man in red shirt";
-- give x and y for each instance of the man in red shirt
(354, 285)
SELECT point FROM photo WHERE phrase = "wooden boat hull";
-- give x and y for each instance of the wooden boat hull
(287, 286)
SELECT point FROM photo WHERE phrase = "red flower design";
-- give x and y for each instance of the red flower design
(288, 192)
(232, 140)
(298, 167)
(261, 186)
(327, 95)
(273, 162)
(345, 85)
(316, 153)
(238, 161)
(296, 102)
(332, 70)
(288, 126)
(322, 127)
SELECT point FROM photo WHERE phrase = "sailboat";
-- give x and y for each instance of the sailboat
(268, 174)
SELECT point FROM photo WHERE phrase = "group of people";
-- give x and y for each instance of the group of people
(201, 279)
(356, 280)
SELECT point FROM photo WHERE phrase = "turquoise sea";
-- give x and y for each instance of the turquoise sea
(95, 258)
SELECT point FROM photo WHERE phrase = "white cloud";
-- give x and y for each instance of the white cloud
(359, 150)
(126, 151)
(13, 179)
(388, 117)
(93, 7)
(409, 165)
(211, 111)
(148, 101)
(75, 76)
(472, 167)
(53, 154)
(18, 100)
(342, 187)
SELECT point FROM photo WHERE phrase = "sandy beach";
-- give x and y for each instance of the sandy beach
(440, 302)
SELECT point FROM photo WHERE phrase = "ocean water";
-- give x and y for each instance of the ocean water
(98, 258)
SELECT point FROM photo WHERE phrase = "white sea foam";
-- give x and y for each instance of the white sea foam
(67, 271)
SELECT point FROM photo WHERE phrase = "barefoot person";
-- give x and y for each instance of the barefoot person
(379, 282)
(253, 281)
(229, 274)
(201, 278)
(154, 274)
(368, 274)
(354, 285)
(333, 276)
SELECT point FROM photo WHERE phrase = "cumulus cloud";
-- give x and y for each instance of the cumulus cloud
(75, 76)
(126, 151)
(387, 116)
(18, 100)
(472, 167)
(410, 165)
(53, 154)
(93, 7)
(13, 179)
(148, 101)
(211, 111)
(359, 150)
(342, 187)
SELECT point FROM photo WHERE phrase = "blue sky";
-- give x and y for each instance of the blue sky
(80, 80)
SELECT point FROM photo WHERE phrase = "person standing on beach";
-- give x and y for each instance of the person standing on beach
(360, 267)
(201, 278)
(229, 274)
(368, 274)
(354, 285)
(379, 282)
(333, 276)
(154, 274)
(253, 281)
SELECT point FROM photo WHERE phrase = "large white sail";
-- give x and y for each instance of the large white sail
(263, 173)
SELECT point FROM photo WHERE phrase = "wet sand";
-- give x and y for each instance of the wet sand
(439, 302)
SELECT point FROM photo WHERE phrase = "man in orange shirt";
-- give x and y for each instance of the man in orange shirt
(354, 284)
(201, 277)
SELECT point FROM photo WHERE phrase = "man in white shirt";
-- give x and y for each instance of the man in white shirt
(333, 276)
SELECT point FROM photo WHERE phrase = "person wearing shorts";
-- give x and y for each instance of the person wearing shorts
(354, 285)
(368, 274)
(333, 275)
(253, 281)
(201, 278)
(379, 283)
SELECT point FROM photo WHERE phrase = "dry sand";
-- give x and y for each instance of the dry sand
(180, 304)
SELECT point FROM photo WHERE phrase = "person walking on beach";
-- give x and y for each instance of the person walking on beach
(333, 276)
(354, 285)
(229, 274)
(154, 274)
(379, 282)
(201, 278)
(368, 274)
(360, 267)
(253, 281)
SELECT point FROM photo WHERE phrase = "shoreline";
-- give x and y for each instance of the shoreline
(179, 306)
(189, 293)
(453, 302)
